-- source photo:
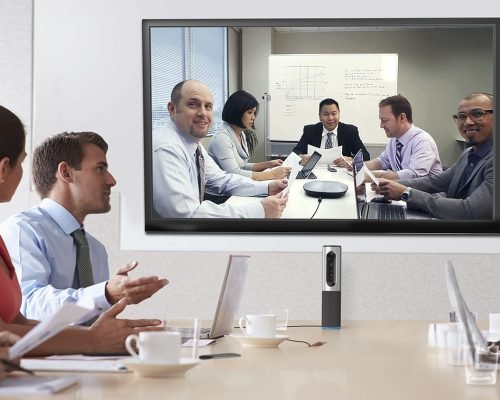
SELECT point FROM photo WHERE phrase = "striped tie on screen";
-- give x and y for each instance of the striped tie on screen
(329, 142)
(399, 146)
(200, 164)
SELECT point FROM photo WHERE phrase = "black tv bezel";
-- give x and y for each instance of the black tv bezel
(154, 224)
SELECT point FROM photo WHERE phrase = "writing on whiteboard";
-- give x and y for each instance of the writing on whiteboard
(357, 81)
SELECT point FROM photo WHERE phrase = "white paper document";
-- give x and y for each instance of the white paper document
(67, 314)
(201, 342)
(293, 161)
(370, 174)
(328, 156)
(73, 365)
(33, 385)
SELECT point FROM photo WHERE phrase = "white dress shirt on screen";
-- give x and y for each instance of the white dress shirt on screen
(175, 181)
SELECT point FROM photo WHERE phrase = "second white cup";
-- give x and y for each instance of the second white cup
(258, 325)
(155, 347)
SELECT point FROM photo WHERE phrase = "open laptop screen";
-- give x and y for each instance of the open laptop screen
(358, 174)
(230, 296)
(475, 338)
(310, 164)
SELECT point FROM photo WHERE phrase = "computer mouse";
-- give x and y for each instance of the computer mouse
(380, 199)
(331, 168)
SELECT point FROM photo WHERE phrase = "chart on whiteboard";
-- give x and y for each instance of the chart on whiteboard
(357, 81)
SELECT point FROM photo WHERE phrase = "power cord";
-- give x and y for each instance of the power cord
(315, 344)
(319, 202)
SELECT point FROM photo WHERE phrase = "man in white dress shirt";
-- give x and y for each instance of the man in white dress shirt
(180, 173)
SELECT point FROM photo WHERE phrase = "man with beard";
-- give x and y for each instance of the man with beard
(468, 183)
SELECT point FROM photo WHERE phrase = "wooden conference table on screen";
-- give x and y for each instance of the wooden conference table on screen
(386, 360)
(302, 206)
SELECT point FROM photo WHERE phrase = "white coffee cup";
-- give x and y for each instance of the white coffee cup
(155, 347)
(258, 325)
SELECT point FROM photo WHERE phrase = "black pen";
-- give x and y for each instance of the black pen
(16, 367)
(219, 355)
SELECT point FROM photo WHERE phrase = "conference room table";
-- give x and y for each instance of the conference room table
(363, 360)
(302, 206)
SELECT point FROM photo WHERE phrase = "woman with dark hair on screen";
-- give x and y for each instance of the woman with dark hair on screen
(107, 334)
(235, 141)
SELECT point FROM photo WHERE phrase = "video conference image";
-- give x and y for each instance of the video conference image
(345, 126)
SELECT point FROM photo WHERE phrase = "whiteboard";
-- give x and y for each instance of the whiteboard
(356, 81)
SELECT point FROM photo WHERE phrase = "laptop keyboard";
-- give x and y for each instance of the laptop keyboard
(187, 333)
(388, 211)
(300, 175)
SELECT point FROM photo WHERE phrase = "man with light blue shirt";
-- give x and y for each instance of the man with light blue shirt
(411, 152)
(57, 261)
(182, 168)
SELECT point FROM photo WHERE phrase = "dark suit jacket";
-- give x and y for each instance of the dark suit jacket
(347, 137)
(473, 200)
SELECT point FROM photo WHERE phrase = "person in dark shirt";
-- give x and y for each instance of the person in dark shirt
(330, 132)
(468, 183)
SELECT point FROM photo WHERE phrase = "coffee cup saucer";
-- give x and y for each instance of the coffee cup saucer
(153, 370)
(249, 341)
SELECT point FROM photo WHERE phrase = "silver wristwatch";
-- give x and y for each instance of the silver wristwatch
(404, 196)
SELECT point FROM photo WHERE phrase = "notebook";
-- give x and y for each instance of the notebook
(229, 300)
(306, 171)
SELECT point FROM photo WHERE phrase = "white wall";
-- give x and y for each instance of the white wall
(428, 59)
(381, 285)
(88, 76)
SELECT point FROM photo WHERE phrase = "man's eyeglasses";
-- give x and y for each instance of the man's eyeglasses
(475, 115)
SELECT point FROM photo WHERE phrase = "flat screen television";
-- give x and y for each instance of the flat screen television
(440, 61)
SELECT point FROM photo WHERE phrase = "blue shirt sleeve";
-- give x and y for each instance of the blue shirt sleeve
(45, 266)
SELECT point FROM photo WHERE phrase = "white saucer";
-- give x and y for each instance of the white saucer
(159, 370)
(248, 341)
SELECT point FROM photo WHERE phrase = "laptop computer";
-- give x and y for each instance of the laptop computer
(367, 210)
(380, 211)
(229, 300)
(306, 171)
(475, 339)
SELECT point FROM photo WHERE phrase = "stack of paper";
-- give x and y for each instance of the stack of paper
(74, 363)
(328, 156)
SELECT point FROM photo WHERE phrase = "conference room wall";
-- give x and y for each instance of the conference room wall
(375, 286)
(437, 68)
(382, 285)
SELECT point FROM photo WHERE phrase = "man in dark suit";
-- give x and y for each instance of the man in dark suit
(469, 182)
(329, 132)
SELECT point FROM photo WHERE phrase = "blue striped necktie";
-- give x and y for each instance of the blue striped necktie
(399, 146)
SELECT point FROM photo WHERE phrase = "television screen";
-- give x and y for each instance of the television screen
(289, 66)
